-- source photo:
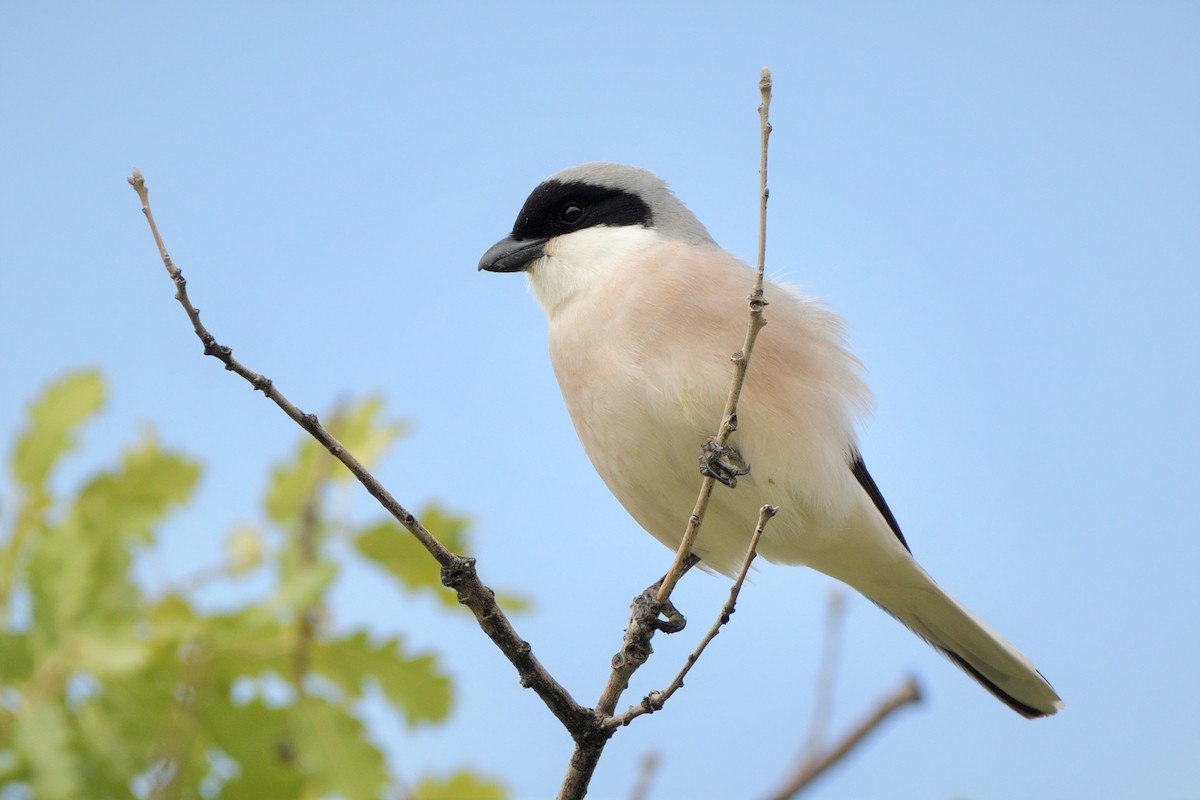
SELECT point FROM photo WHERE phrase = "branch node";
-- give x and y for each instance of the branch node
(592, 731)
(460, 570)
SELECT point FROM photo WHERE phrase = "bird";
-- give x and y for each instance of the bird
(644, 309)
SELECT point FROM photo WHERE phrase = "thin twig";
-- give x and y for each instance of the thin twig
(835, 610)
(811, 769)
(650, 764)
(741, 359)
(587, 754)
(656, 700)
(458, 572)
(619, 679)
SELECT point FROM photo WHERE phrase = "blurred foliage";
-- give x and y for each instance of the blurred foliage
(106, 691)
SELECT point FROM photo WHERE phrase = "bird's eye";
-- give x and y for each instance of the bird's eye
(571, 213)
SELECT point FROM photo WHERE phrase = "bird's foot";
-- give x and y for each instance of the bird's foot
(723, 464)
(648, 615)
(664, 616)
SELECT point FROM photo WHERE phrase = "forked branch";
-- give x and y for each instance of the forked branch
(817, 761)
(590, 728)
(656, 700)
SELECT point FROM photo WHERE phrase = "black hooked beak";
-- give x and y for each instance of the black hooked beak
(512, 255)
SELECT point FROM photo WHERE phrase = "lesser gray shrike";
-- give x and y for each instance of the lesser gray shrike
(644, 310)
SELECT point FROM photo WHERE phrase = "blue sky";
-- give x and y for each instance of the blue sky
(1001, 199)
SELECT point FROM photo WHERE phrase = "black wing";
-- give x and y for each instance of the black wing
(868, 483)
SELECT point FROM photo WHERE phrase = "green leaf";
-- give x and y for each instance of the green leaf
(171, 618)
(72, 576)
(363, 434)
(251, 640)
(16, 657)
(293, 482)
(450, 529)
(244, 549)
(110, 657)
(132, 500)
(258, 738)
(303, 588)
(10, 768)
(416, 686)
(78, 572)
(460, 786)
(49, 434)
(107, 685)
(360, 432)
(310, 750)
(393, 548)
(120, 729)
(53, 417)
(513, 603)
(42, 739)
(334, 752)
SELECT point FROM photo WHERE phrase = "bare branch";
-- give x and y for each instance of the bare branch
(650, 764)
(741, 359)
(619, 679)
(642, 621)
(812, 768)
(835, 610)
(458, 572)
(656, 700)
(589, 728)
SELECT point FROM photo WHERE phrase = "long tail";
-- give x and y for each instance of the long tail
(969, 642)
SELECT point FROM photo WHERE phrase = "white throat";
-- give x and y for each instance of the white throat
(582, 261)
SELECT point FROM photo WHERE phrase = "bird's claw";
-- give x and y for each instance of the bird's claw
(674, 622)
(652, 612)
(723, 464)
(660, 616)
